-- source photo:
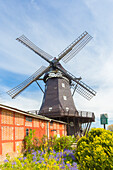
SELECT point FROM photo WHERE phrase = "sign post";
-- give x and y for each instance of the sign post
(104, 119)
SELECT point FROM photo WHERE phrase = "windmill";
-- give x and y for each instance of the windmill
(58, 100)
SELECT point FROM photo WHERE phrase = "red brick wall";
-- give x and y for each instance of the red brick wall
(13, 130)
(7, 148)
(57, 129)
(7, 117)
(19, 119)
(7, 133)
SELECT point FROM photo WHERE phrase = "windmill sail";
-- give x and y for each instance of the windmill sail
(23, 39)
(83, 89)
(16, 90)
(74, 47)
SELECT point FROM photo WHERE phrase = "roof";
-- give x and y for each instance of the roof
(28, 114)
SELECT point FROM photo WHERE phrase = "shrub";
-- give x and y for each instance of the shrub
(58, 144)
(64, 142)
(96, 150)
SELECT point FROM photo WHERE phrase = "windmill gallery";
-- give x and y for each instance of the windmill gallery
(58, 101)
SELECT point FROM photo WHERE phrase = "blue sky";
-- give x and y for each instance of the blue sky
(53, 25)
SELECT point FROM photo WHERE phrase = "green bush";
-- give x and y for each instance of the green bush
(95, 152)
(64, 142)
(57, 144)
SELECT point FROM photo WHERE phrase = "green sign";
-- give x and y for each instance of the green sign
(104, 119)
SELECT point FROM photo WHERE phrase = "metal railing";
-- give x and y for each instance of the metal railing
(65, 113)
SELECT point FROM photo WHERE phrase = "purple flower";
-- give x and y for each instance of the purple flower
(64, 154)
(68, 164)
(14, 163)
(6, 160)
(73, 157)
(24, 158)
(64, 159)
(54, 152)
(20, 159)
(34, 153)
(74, 164)
(63, 162)
(34, 160)
(62, 167)
(39, 152)
(42, 153)
(22, 164)
(67, 151)
(42, 159)
(73, 168)
(34, 157)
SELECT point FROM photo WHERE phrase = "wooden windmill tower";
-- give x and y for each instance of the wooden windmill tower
(58, 100)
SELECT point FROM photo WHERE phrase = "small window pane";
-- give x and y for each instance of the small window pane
(63, 85)
(27, 132)
(67, 109)
(50, 108)
(51, 123)
(29, 119)
(65, 98)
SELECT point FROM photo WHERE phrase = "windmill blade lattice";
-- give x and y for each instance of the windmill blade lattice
(83, 89)
(74, 47)
(23, 39)
(16, 90)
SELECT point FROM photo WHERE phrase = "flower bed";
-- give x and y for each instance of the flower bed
(43, 160)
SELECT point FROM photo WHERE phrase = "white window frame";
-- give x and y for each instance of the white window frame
(50, 108)
(65, 97)
(63, 85)
(67, 109)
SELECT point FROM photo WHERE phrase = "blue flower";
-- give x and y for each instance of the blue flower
(62, 167)
(34, 160)
(39, 152)
(54, 151)
(42, 159)
(68, 164)
(64, 154)
(24, 158)
(34, 157)
(22, 164)
(14, 163)
(6, 160)
(20, 159)
(34, 153)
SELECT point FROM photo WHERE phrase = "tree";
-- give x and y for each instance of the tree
(110, 127)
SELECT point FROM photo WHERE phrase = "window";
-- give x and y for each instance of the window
(27, 132)
(65, 98)
(51, 123)
(29, 119)
(67, 109)
(63, 85)
(50, 108)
